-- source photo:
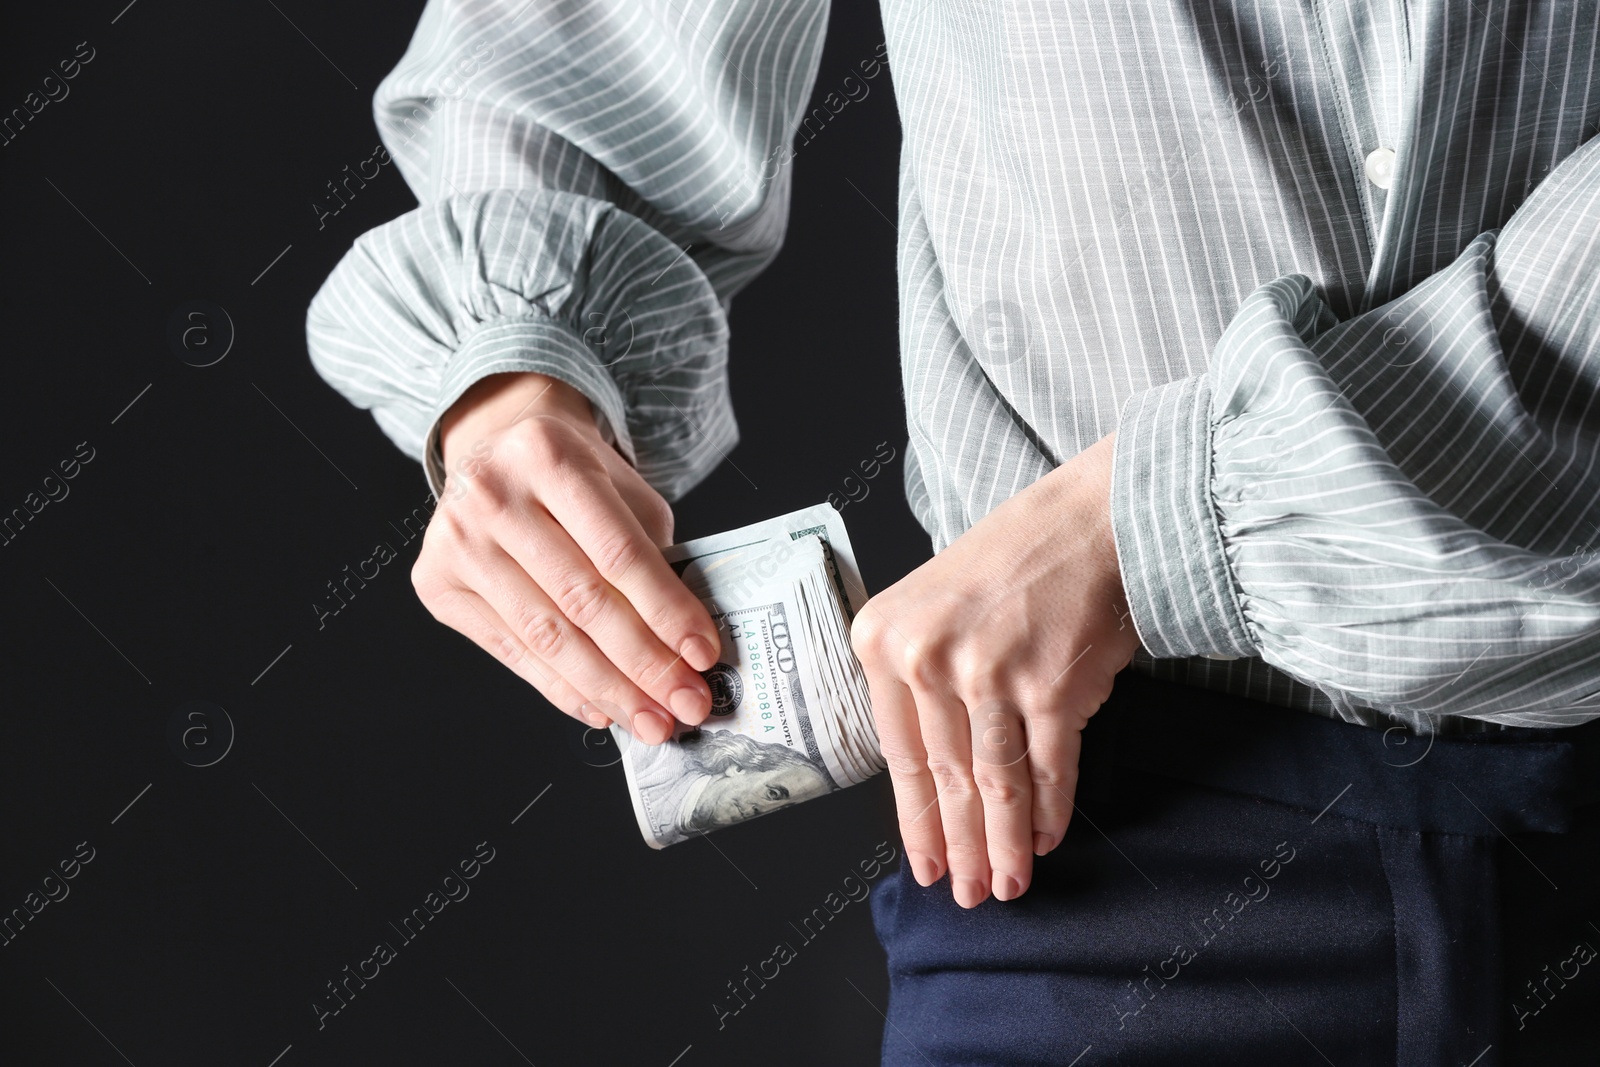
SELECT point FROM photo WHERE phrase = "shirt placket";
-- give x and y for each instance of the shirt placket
(1366, 47)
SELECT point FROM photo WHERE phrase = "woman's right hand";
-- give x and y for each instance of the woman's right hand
(545, 550)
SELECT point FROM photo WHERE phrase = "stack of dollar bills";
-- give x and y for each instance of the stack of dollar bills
(790, 719)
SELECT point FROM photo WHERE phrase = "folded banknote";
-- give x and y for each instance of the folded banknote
(790, 718)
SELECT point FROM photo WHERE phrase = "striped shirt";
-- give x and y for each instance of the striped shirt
(1330, 269)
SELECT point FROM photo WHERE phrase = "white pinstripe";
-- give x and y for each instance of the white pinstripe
(1357, 440)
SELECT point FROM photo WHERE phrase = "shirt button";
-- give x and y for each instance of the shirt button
(1380, 167)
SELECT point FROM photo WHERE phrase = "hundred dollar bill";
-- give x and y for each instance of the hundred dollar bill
(788, 699)
(820, 520)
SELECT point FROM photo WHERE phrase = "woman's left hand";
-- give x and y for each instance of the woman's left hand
(984, 664)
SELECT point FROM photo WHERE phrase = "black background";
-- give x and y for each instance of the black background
(185, 559)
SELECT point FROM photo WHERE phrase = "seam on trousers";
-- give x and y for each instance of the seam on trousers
(1394, 939)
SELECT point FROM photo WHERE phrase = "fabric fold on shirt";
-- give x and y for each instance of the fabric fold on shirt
(1097, 202)
(596, 184)
(1351, 554)
(538, 281)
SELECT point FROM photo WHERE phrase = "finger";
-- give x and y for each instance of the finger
(894, 712)
(1000, 770)
(553, 639)
(647, 505)
(947, 737)
(1053, 750)
(548, 555)
(466, 612)
(605, 528)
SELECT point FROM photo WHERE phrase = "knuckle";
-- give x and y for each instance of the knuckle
(535, 438)
(866, 635)
(505, 648)
(974, 671)
(967, 855)
(998, 740)
(583, 600)
(427, 582)
(556, 448)
(446, 530)
(657, 519)
(952, 780)
(918, 669)
(535, 447)
(433, 603)
(902, 765)
(541, 632)
(996, 788)
(1047, 779)
(436, 592)
(470, 495)
(617, 553)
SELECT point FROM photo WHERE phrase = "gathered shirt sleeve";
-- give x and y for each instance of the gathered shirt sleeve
(595, 181)
(1404, 506)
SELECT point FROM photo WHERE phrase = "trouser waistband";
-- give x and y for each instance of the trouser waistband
(1513, 781)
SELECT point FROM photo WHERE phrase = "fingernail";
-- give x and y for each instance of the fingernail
(970, 892)
(596, 720)
(1042, 843)
(690, 704)
(1006, 887)
(652, 727)
(699, 653)
(923, 869)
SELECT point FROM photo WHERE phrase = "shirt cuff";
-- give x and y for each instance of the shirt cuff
(1180, 592)
(540, 345)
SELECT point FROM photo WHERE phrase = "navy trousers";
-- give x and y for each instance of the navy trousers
(1244, 884)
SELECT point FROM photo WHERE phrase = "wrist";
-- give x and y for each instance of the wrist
(498, 401)
(1080, 505)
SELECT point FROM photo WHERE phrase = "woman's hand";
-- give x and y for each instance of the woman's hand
(545, 550)
(984, 665)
